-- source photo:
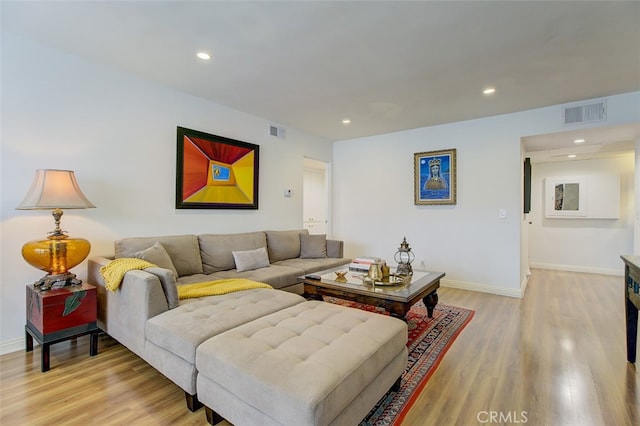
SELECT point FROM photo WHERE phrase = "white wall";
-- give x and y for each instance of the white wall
(119, 135)
(579, 244)
(373, 197)
(636, 239)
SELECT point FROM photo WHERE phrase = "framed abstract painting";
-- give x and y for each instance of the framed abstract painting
(435, 177)
(214, 172)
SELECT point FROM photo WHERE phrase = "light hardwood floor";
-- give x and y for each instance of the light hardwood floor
(556, 357)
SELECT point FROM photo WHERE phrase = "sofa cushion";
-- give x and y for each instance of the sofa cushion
(335, 248)
(277, 276)
(183, 329)
(284, 244)
(305, 364)
(183, 250)
(313, 246)
(308, 266)
(216, 249)
(157, 255)
(248, 260)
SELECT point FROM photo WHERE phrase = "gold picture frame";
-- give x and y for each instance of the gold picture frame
(435, 177)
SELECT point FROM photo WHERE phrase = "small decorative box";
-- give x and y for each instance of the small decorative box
(61, 308)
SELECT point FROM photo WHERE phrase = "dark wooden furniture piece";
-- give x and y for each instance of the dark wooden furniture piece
(60, 314)
(397, 300)
(632, 303)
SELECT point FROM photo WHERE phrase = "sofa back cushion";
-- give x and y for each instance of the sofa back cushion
(313, 246)
(216, 249)
(284, 245)
(182, 249)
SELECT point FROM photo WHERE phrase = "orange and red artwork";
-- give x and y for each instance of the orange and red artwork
(214, 172)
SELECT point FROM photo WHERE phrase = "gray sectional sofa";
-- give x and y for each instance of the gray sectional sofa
(145, 315)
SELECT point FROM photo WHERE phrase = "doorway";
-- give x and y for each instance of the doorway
(315, 194)
(582, 243)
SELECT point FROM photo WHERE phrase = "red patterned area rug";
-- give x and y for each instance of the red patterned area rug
(429, 340)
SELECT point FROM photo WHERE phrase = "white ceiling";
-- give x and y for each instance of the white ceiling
(599, 142)
(386, 65)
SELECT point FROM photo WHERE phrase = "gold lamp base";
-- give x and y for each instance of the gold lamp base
(56, 281)
(56, 255)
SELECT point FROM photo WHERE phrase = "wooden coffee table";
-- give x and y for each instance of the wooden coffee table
(396, 299)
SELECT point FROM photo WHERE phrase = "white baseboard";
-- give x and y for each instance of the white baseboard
(483, 288)
(525, 281)
(575, 268)
(14, 345)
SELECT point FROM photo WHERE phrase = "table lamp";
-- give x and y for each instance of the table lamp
(55, 190)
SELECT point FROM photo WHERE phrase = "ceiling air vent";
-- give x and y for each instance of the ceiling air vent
(585, 113)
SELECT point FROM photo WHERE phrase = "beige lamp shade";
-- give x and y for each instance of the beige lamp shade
(55, 190)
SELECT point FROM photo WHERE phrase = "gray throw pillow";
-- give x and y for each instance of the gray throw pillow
(313, 246)
(249, 260)
(157, 255)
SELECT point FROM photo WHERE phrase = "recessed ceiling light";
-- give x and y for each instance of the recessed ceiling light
(346, 121)
(578, 141)
(571, 156)
(204, 56)
(489, 91)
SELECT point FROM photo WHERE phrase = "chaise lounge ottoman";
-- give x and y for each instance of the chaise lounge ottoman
(314, 363)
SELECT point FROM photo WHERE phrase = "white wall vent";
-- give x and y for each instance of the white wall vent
(585, 113)
(277, 131)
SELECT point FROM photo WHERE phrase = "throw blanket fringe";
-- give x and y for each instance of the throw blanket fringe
(113, 272)
(217, 287)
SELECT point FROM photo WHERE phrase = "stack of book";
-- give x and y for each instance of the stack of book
(362, 264)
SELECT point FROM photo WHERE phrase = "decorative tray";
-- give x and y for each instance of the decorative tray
(393, 280)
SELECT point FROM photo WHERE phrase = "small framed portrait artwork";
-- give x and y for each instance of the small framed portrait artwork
(435, 177)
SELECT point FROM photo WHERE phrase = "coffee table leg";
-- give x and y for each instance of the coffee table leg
(312, 293)
(430, 301)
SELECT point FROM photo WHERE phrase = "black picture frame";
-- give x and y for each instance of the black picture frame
(215, 172)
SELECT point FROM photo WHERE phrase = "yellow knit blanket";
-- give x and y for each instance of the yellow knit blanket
(217, 287)
(113, 272)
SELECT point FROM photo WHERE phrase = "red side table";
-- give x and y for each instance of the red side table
(60, 314)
